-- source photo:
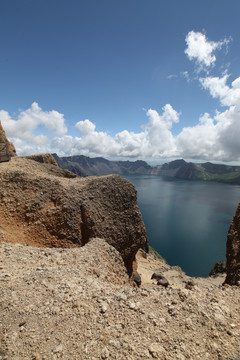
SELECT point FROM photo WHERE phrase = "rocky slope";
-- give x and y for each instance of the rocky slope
(62, 300)
(52, 207)
(11, 151)
(78, 304)
(85, 166)
(181, 169)
(233, 251)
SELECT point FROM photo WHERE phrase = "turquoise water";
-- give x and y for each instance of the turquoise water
(187, 222)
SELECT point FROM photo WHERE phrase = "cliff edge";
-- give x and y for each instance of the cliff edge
(42, 205)
(7, 149)
(233, 251)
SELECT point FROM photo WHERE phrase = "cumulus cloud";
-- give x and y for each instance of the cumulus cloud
(219, 89)
(200, 49)
(23, 129)
(156, 139)
(30, 119)
(213, 137)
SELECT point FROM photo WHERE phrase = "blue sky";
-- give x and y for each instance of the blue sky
(128, 79)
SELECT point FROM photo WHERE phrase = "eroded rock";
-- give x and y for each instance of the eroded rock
(40, 205)
(218, 268)
(7, 149)
(233, 251)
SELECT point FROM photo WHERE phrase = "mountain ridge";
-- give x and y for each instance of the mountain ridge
(179, 169)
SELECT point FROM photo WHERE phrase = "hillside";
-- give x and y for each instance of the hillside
(62, 301)
(179, 169)
(79, 304)
(86, 166)
(69, 251)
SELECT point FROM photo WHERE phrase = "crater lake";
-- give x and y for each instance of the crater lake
(187, 221)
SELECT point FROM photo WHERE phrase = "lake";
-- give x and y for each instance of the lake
(187, 221)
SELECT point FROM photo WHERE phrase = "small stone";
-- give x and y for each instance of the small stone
(137, 279)
(58, 349)
(36, 357)
(105, 353)
(157, 275)
(163, 282)
(104, 308)
(156, 350)
(132, 305)
(189, 285)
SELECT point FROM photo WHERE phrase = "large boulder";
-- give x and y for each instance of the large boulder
(7, 149)
(233, 251)
(41, 205)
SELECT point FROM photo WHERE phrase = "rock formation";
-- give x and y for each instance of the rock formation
(233, 251)
(49, 208)
(7, 149)
(218, 268)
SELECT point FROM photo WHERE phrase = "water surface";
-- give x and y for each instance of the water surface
(187, 221)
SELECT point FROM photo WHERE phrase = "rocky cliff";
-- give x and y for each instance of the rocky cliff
(62, 300)
(233, 251)
(52, 207)
(10, 150)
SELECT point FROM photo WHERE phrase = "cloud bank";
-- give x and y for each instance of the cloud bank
(211, 138)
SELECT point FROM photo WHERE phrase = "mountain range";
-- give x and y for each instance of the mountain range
(179, 169)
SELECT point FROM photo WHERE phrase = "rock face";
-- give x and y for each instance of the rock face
(7, 149)
(41, 205)
(218, 268)
(233, 251)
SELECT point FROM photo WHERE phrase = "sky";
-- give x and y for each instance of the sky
(154, 80)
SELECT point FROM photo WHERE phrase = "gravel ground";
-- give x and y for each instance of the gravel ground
(79, 304)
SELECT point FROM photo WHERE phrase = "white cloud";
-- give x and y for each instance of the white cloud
(219, 89)
(30, 119)
(211, 138)
(85, 127)
(23, 130)
(172, 76)
(202, 50)
(215, 138)
(155, 140)
(185, 74)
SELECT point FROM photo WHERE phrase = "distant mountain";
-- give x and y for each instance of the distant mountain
(85, 166)
(180, 169)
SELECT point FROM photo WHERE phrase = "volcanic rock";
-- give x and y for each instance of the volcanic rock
(7, 149)
(218, 268)
(79, 304)
(44, 207)
(233, 251)
(137, 278)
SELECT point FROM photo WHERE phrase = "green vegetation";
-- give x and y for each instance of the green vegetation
(230, 175)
